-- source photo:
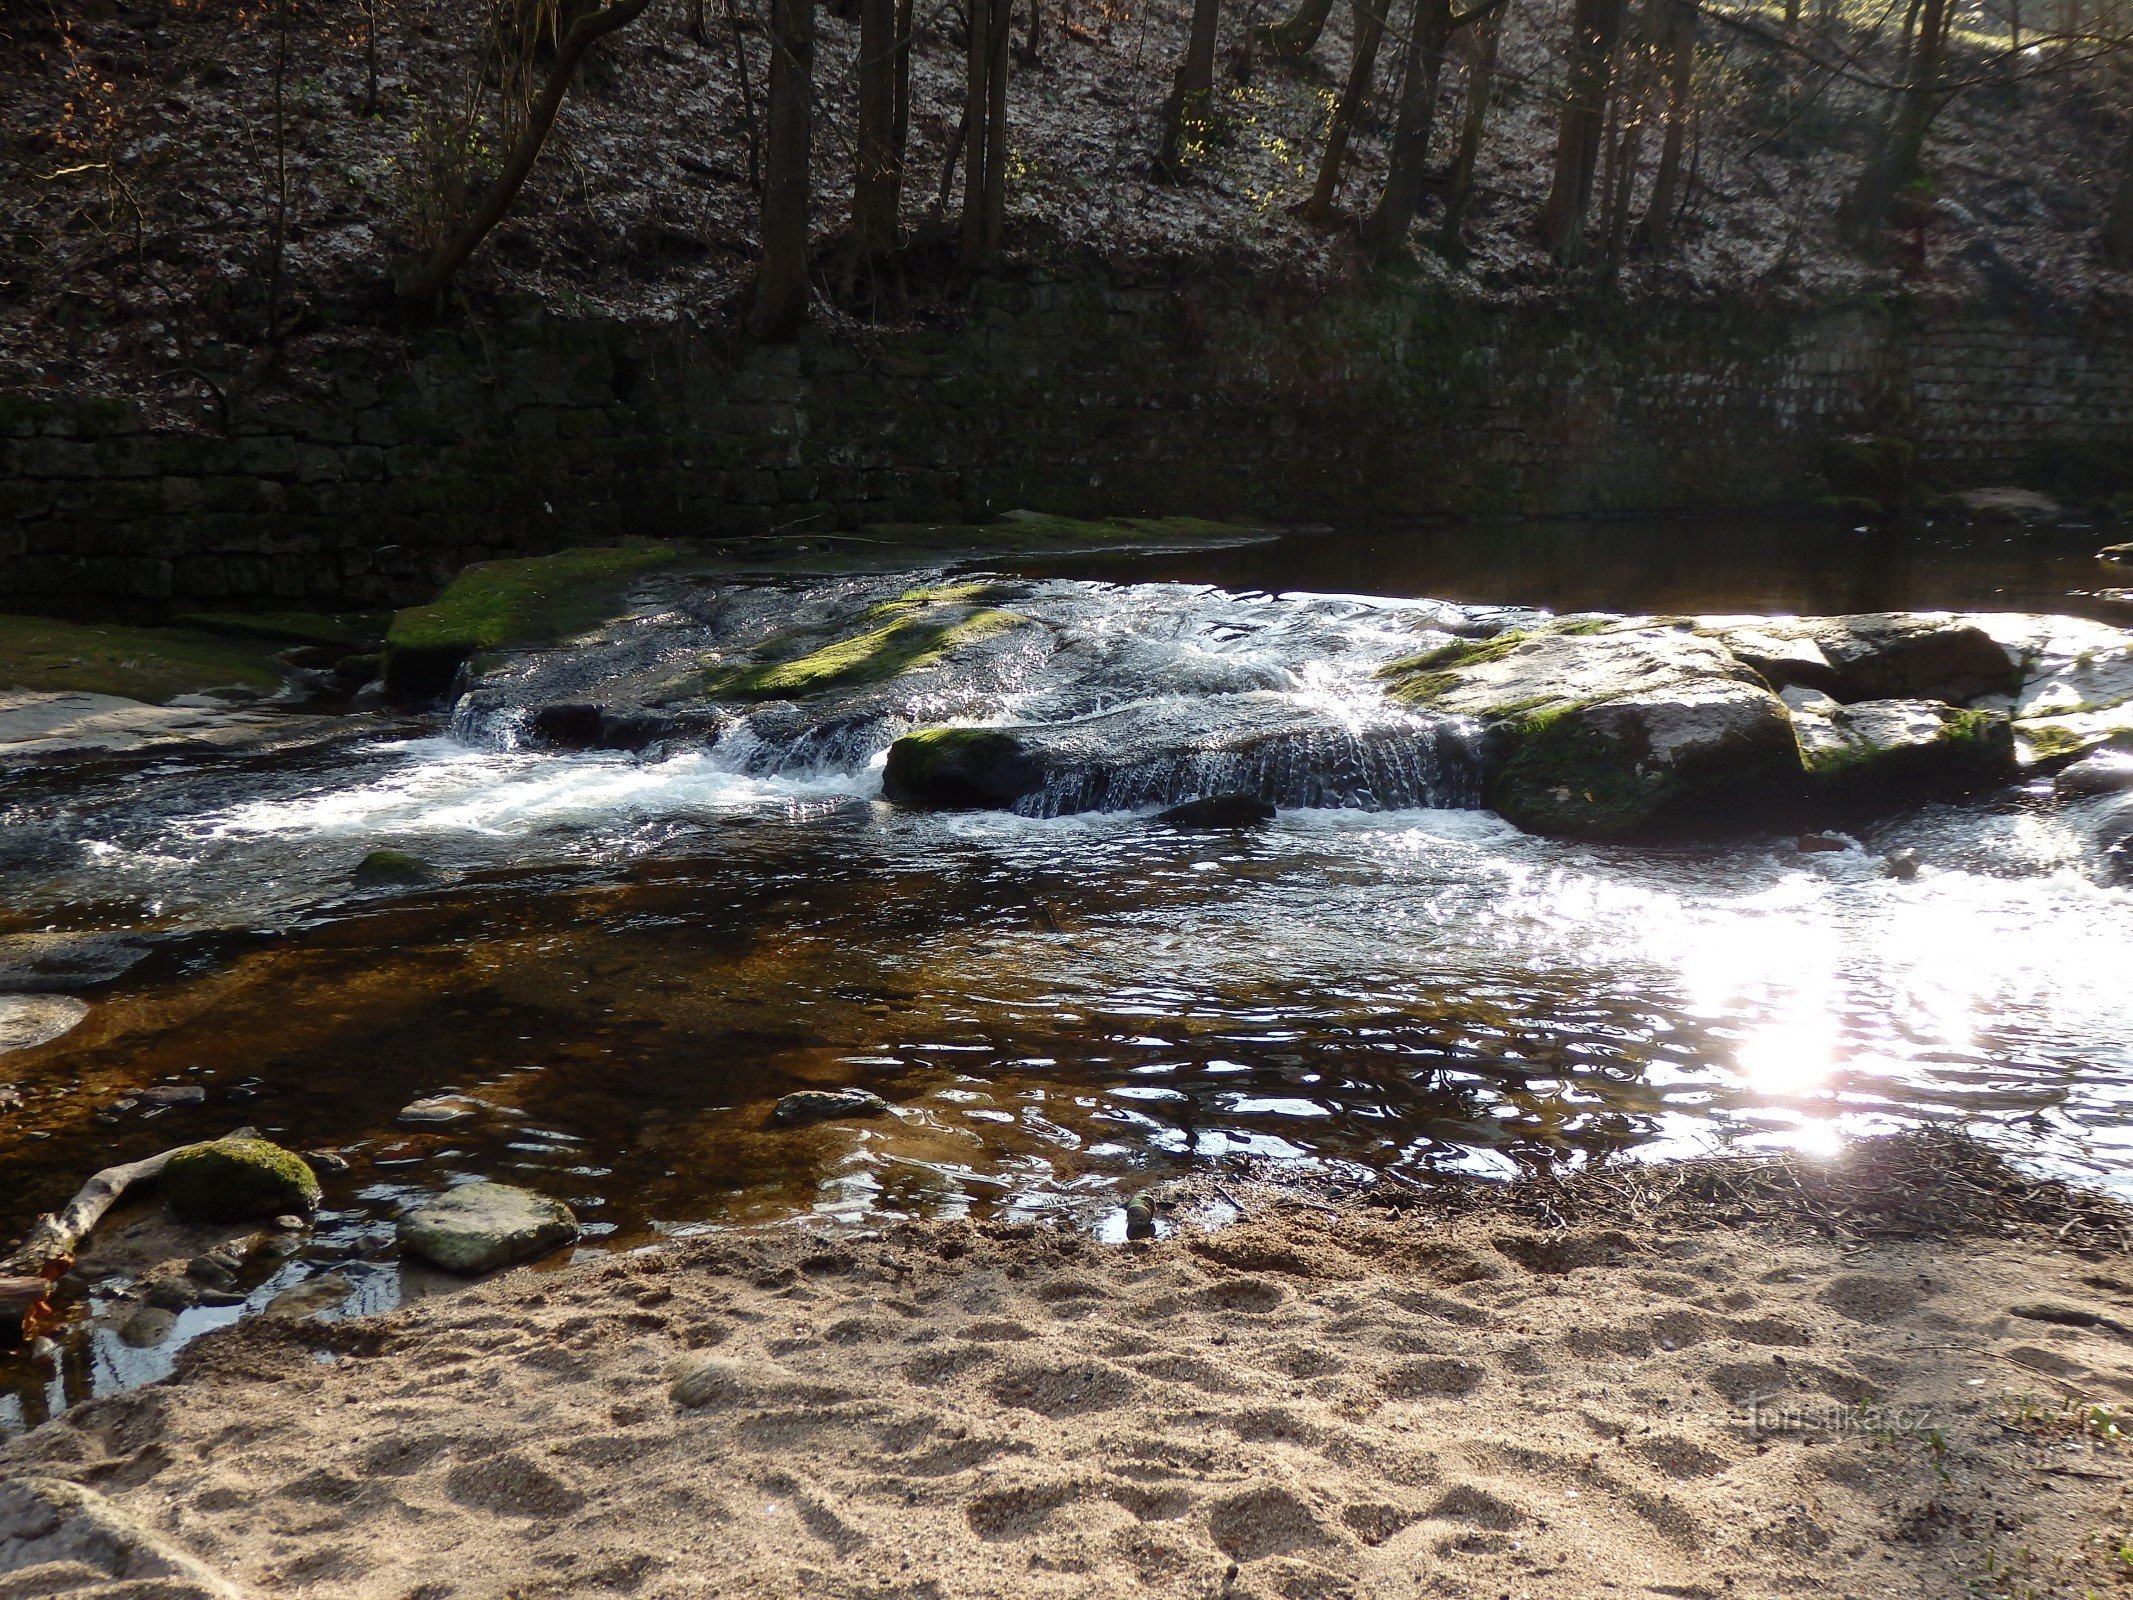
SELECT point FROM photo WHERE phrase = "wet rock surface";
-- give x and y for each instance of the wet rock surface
(479, 1227)
(805, 1106)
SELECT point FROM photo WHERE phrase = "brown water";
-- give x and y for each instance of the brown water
(630, 960)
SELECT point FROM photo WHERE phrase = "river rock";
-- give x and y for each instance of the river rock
(439, 1111)
(2022, 507)
(326, 1292)
(388, 869)
(1219, 811)
(479, 1227)
(2115, 552)
(804, 1106)
(237, 1179)
(2107, 772)
(29, 1020)
(2076, 693)
(1899, 749)
(1594, 734)
(1883, 655)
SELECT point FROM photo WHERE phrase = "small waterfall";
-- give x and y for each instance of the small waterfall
(760, 747)
(1432, 765)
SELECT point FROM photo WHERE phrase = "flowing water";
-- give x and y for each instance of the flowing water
(627, 957)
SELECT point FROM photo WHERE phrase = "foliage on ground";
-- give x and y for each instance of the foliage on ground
(151, 664)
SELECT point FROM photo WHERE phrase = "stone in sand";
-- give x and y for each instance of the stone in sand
(804, 1106)
(479, 1227)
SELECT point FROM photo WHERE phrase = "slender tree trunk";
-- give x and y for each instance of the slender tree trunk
(2117, 236)
(1193, 90)
(781, 291)
(747, 83)
(1296, 35)
(1480, 84)
(425, 280)
(1369, 32)
(1429, 27)
(985, 124)
(279, 243)
(1596, 28)
(877, 160)
(1653, 21)
(900, 136)
(1678, 46)
(1896, 160)
(1033, 51)
(370, 58)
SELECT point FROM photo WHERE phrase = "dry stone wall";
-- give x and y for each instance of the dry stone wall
(1068, 395)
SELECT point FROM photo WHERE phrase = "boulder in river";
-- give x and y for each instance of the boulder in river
(1595, 732)
(479, 1227)
(29, 1020)
(804, 1106)
(237, 1179)
(439, 1111)
(2019, 507)
(1879, 655)
(1219, 811)
(392, 869)
(2106, 772)
(1904, 749)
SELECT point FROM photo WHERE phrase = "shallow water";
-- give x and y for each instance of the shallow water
(629, 959)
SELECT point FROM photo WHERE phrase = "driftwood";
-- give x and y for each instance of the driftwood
(53, 1237)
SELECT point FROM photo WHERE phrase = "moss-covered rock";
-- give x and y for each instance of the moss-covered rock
(151, 664)
(1898, 750)
(352, 632)
(917, 630)
(236, 1180)
(1873, 470)
(532, 600)
(961, 769)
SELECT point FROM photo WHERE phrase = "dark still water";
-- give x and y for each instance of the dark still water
(626, 959)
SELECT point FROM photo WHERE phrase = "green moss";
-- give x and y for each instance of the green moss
(1422, 678)
(152, 664)
(235, 1180)
(1566, 778)
(290, 627)
(913, 641)
(2049, 742)
(533, 600)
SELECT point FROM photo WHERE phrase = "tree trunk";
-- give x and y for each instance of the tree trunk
(1429, 27)
(1193, 90)
(900, 140)
(1678, 47)
(1480, 84)
(747, 83)
(1296, 35)
(1897, 156)
(985, 141)
(781, 291)
(877, 162)
(1596, 28)
(1653, 21)
(425, 280)
(1370, 30)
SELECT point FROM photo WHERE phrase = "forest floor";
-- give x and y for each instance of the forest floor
(143, 174)
(1897, 1373)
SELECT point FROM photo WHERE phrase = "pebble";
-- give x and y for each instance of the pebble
(824, 1105)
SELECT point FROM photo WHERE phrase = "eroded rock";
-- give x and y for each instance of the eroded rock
(479, 1227)
(236, 1179)
(804, 1106)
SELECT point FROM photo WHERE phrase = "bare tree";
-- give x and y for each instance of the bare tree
(782, 288)
(1896, 159)
(1296, 35)
(986, 62)
(1191, 93)
(1595, 30)
(1362, 65)
(1482, 45)
(1429, 29)
(1677, 49)
(877, 168)
(424, 280)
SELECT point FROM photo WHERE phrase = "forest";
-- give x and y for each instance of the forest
(193, 188)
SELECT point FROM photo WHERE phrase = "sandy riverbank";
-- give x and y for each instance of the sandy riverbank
(1756, 1379)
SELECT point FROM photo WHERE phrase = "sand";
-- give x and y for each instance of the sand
(1329, 1398)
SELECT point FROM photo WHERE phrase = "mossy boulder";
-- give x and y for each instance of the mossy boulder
(1873, 470)
(151, 664)
(919, 629)
(1898, 750)
(497, 605)
(961, 769)
(238, 1179)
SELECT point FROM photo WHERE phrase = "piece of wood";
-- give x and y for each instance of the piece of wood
(54, 1236)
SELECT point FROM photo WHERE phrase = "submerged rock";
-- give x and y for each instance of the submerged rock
(237, 1179)
(29, 1020)
(2107, 772)
(479, 1227)
(2115, 552)
(2022, 507)
(804, 1106)
(439, 1111)
(1902, 865)
(329, 1291)
(1219, 811)
(392, 869)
